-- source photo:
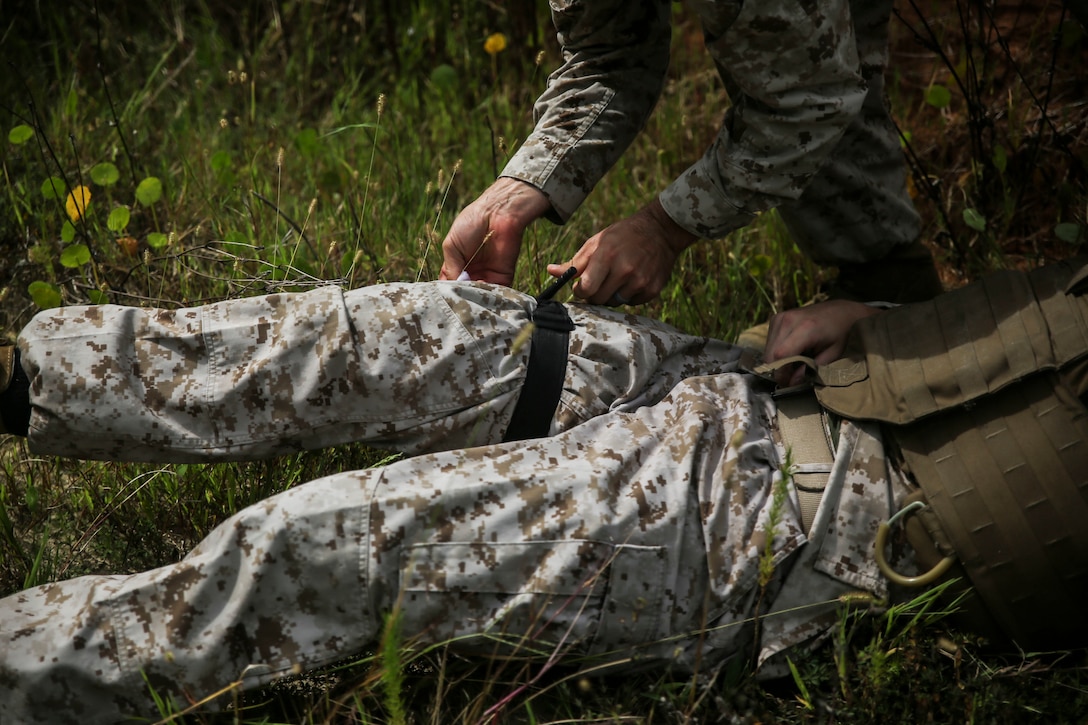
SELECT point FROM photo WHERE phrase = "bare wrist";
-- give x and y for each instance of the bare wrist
(677, 237)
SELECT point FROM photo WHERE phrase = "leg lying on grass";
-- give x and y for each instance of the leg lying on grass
(411, 367)
(661, 529)
(594, 541)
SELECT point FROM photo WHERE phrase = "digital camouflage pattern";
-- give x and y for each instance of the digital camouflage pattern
(416, 367)
(637, 533)
(807, 131)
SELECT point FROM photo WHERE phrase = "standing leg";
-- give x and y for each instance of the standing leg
(856, 213)
(595, 541)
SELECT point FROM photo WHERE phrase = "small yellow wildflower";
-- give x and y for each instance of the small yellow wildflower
(78, 199)
(495, 44)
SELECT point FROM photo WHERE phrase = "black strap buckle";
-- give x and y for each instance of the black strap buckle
(547, 368)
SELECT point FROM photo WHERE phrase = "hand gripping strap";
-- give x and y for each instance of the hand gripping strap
(544, 377)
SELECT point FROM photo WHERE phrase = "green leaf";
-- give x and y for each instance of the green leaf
(75, 255)
(760, 265)
(118, 219)
(67, 232)
(444, 77)
(1001, 158)
(20, 134)
(157, 240)
(1068, 232)
(54, 188)
(149, 191)
(938, 96)
(221, 161)
(974, 220)
(105, 174)
(306, 142)
(71, 103)
(98, 297)
(45, 295)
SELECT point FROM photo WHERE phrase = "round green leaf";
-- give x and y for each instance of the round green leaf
(1068, 232)
(45, 295)
(54, 188)
(759, 265)
(105, 174)
(938, 96)
(149, 191)
(974, 220)
(98, 297)
(20, 134)
(75, 255)
(157, 240)
(444, 77)
(221, 162)
(118, 219)
(67, 232)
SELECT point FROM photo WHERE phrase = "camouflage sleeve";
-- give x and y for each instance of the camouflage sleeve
(615, 54)
(795, 79)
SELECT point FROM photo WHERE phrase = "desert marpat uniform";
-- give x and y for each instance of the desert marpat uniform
(636, 530)
(808, 131)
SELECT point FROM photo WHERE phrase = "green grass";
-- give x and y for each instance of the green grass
(281, 169)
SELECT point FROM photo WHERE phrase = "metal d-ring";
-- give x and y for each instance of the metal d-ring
(895, 577)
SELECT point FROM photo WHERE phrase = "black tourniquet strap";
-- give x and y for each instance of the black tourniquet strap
(544, 377)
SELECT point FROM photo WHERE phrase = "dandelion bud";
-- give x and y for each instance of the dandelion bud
(539, 58)
(495, 44)
(242, 77)
(381, 104)
(172, 238)
(223, 123)
(147, 257)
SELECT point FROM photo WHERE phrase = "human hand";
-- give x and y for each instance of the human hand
(630, 261)
(485, 238)
(818, 331)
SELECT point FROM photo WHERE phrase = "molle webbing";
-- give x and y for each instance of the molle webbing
(914, 361)
(1008, 481)
(981, 396)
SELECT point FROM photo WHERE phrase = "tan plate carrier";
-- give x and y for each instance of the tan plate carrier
(982, 389)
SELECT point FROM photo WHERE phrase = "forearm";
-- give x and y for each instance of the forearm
(615, 58)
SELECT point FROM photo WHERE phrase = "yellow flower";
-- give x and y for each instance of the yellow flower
(78, 199)
(495, 44)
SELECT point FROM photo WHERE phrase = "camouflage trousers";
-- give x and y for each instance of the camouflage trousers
(414, 367)
(635, 534)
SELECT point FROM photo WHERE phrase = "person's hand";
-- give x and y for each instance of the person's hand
(818, 331)
(485, 238)
(630, 261)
